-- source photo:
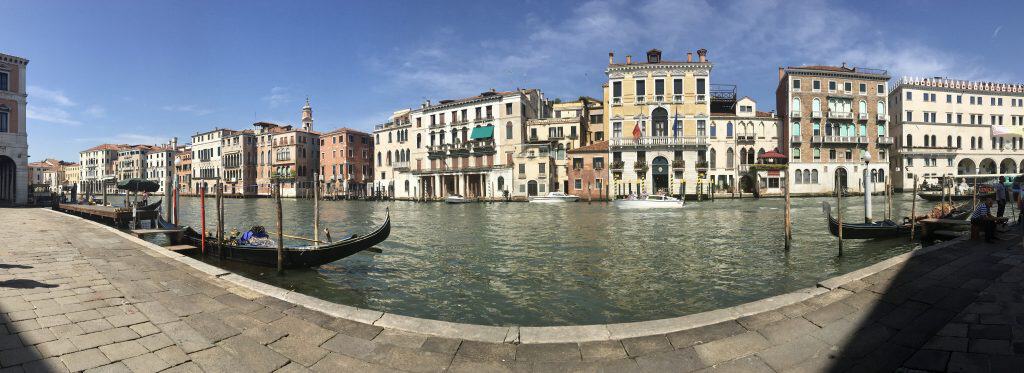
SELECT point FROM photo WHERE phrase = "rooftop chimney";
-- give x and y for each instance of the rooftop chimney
(782, 72)
(629, 59)
(703, 54)
(689, 56)
(611, 58)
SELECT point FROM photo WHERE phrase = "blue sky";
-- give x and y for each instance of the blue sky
(141, 72)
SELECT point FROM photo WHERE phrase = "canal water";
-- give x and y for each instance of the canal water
(564, 264)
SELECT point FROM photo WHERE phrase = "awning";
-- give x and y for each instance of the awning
(482, 133)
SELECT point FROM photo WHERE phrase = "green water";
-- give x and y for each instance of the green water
(564, 264)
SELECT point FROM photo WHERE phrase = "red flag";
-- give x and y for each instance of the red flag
(636, 131)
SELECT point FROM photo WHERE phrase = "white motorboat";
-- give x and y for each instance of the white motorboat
(455, 198)
(649, 202)
(555, 197)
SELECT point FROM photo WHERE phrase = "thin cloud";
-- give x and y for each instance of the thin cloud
(191, 109)
(277, 96)
(51, 115)
(996, 32)
(96, 111)
(50, 96)
(127, 138)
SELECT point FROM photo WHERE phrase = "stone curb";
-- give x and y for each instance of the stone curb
(524, 334)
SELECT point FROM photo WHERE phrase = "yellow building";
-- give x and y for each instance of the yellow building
(657, 113)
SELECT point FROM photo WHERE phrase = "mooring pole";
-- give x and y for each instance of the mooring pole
(176, 206)
(839, 212)
(975, 195)
(280, 228)
(202, 217)
(789, 224)
(316, 207)
(220, 220)
(913, 211)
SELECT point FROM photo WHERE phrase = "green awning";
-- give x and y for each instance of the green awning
(482, 133)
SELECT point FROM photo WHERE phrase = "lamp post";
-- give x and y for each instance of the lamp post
(866, 157)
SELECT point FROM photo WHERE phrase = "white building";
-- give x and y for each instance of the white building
(739, 133)
(99, 168)
(160, 164)
(13, 134)
(207, 167)
(944, 128)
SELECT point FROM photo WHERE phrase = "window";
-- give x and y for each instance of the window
(881, 89)
(910, 116)
(508, 130)
(848, 86)
(910, 96)
(3, 81)
(578, 184)
(816, 129)
(728, 130)
(863, 88)
(817, 153)
(659, 87)
(508, 108)
(832, 154)
(796, 84)
(4, 121)
(641, 87)
(714, 130)
(598, 163)
(616, 129)
(542, 168)
(700, 128)
(831, 86)
(677, 86)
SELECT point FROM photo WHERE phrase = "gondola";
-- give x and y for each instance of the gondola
(860, 231)
(936, 197)
(151, 206)
(294, 256)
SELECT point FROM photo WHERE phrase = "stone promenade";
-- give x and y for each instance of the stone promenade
(77, 297)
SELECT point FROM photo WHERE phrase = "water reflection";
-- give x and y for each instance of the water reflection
(580, 263)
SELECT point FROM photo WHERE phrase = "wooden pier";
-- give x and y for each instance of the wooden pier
(120, 216)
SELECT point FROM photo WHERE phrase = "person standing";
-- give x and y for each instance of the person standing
(1000, 188)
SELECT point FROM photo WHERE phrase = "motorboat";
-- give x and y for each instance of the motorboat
(649, 202)
(455, 198)
(555, 197)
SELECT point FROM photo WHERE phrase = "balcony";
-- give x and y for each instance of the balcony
(617, 166)
(836, 139)
(840, 114)
(794, 114)
(745, 138)
(795, 139)
(400, 166)
(678, 164)
(862, 139)
(929, 150)
(640, 166)
(816, 114)
(659, 98)
(701, 165)
(640, 100)
(862, 116)
(702, 98)
(657, 141)
(616, 100)
(882, 117)
(677, 99)
(542, 176)
(885, 140)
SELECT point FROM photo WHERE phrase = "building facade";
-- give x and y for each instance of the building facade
(207, 165)
(72, 174)
(99, 168)
(588, 172)
(833, 115)
(944, 127)
(346, 162)
(239, 163)
(657, 113)
(160, 164)
(13, 134)
(738, 134)
(183, 169)
(131, 162)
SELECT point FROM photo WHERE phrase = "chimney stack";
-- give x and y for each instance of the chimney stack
(782, 72)
(611, 58)
(629, 59)
(689, 56)
(702, 54)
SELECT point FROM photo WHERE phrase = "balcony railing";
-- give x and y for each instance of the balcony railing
(400, 165)
(794, 114)
(840, 114)
(816, 114)
(862, 116)
(883, 117)
(616, 100)
(885, 140)
(659, 98)
(835, 139)
(657, 141)
(795, 139)
(745, 137)
(702, 98)
(640, 100)
(677, 99)
(937, 150)
(617, 165)
(862, 139)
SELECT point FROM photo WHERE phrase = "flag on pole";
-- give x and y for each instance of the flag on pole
(636, 131)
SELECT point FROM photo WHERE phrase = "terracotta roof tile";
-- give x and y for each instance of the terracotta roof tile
(600, 146)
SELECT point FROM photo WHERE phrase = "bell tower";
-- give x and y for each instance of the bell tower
(307, 116)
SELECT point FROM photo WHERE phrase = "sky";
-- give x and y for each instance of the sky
(141, 72)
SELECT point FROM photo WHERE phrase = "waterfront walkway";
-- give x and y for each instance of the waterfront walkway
(76, 296)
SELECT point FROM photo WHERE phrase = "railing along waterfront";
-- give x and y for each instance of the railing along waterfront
(657, 141)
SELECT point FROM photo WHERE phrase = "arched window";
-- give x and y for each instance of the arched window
(455, 136)
(874, 176)
(729, 154)
(814, 176)
(419, 140)
(389, 157)
(508, 130)
(981, 142)
(465, 134)
(863, 107)
(379, 160)
(501, 183)
(958, 144)
(910, 141)
(949, 141)
(407, 185)
(816, 105)
(881, 176)
(714, 157)
(796, 105)
(881, 107)
(389, 137)
(925, 141)
(973, 142)
(762, 134)
(934, 143)
(798, 176)
(795, 128)
(714, 130)
(728, 130)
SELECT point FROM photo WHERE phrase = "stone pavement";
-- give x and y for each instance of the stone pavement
(75, 296)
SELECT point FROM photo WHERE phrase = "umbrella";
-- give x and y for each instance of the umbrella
(138, 185)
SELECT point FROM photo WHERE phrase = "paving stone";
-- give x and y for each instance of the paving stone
(731, 348)
(91, 340)
(785, 355)
(56, 348)
(760, 320)
(297, 350)
(173, 355)
(441, 345)
(294, 326)
(342, 363)
(293, 367)
(944, 343)
(84, 315)
(10, 341)
(474, 350)
(355, 329)
(977, 331)
(265, 334)
(147, 363)
(123, 350)
(829, 313)
(188, 367)
(54, 320)
(67, 331)
(928, 360)
(144, 329)
(155, 342)
(18, 356)
(990, 346)
(48, 365)
(683, 360)
(156, 312)
(549, 352)
(184, 336)
(968, 362)
(953, 330)
(602, 350)
(257, 357)
(788, 329)
(37, 336)
(82, 360)
(646, 345)
(704, 334)
(414, 360)
(267, 314)
(117, 367)
(211, 327)
(93, 326)
(400, 338)
(749, 364)
(127, 319)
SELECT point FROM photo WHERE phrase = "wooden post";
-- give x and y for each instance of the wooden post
(202, 218)
(176, 206)
(789, 224)
(975, 197)
(316, 206)
(839, 212)
(913, 211)
(220, 220)
(280, 228)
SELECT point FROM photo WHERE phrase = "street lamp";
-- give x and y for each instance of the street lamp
(866, 157)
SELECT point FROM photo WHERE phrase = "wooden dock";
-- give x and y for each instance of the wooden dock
(121, 216)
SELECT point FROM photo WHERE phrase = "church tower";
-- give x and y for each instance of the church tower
(307, 116)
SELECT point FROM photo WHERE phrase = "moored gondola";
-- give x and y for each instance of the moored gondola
(937, 197)
(294, 256)
(860, 231)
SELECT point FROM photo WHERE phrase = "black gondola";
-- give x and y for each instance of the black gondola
(936, 197)
(294, 256)
(151, 206)
(860, 231)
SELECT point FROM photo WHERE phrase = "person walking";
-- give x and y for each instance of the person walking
(1001, 197)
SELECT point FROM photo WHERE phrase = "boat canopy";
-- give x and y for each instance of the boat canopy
(485, 132)
(138, 185)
